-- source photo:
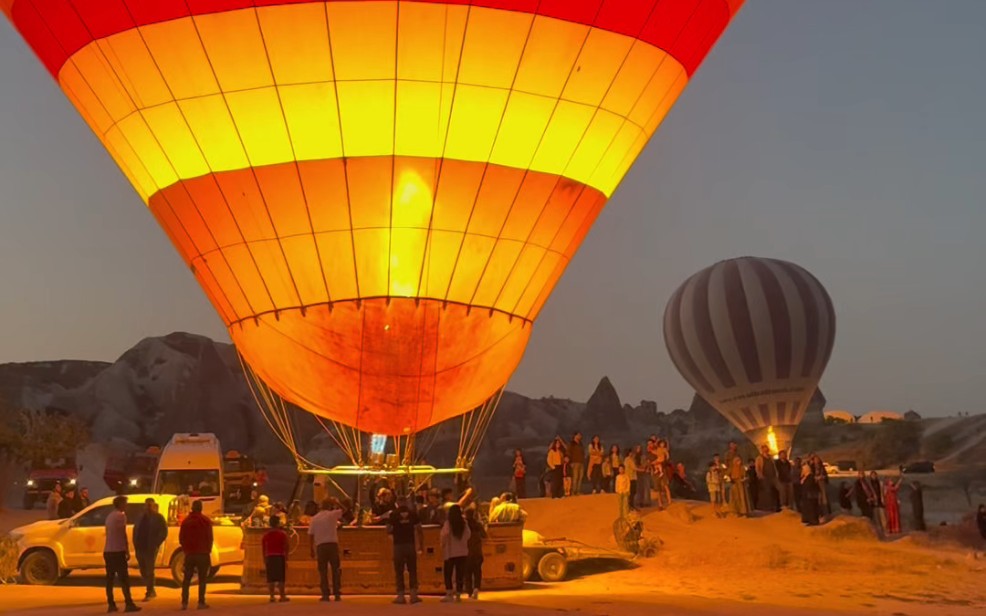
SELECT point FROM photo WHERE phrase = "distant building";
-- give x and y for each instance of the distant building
(912, 416)
(839, 417)
(875, 417)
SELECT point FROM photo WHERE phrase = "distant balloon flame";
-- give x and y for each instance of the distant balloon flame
(772, 441)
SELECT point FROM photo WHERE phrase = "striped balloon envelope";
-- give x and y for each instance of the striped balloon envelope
(753, 336)
(376, 196)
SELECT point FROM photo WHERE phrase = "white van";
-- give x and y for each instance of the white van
(192, 464)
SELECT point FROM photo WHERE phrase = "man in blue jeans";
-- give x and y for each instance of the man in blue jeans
(324, 533)
(116, 553)
(405, 529)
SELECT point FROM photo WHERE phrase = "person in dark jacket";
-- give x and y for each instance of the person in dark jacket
(474, 560)
(195, 538)
(917, 506)
(861, 491)
(809, 496)
(150, 531)
(69, 505)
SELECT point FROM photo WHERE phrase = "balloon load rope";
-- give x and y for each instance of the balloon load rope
(410, 449)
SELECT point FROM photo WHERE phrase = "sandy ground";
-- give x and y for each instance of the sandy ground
(769, 566)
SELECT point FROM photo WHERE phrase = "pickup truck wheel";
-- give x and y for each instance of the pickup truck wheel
(526, 566)
(178, 567)
(552, 567)
(39, 568)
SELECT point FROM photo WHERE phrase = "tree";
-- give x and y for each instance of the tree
(29, 435)
(894, 443)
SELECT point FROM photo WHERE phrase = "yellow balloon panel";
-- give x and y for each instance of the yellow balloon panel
(241, 88)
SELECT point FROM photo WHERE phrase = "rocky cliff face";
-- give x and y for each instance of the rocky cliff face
(187, 383)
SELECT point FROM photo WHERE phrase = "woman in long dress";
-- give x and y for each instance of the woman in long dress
(595, 471)
(736, 474)
(891, 489)
(809, 496)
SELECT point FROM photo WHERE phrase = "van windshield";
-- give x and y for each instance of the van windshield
(191, 482)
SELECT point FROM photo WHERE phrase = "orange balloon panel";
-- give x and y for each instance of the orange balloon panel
(377, 196)
(388, 366)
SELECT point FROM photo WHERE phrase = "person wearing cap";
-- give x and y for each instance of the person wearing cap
(507, 510)
(150, 532)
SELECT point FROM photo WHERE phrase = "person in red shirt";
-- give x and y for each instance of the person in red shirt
(275, 546)
(195, 537)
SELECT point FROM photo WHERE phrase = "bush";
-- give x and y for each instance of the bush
(894, 443)
(8, 560)
(938, 445)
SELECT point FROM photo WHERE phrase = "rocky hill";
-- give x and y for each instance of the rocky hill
(187, 383)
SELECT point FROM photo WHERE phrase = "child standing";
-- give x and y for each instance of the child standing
(275, 547)
(713, 480)
(623, 490)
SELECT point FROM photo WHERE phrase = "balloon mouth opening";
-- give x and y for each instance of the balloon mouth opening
(772, 442)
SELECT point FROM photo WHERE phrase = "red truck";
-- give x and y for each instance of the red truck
(43, 476)
(132, 473)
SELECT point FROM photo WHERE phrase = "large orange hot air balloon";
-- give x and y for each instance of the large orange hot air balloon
(753, 336)
(376, 196)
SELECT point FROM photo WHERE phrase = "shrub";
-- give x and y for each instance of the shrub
(8, 560)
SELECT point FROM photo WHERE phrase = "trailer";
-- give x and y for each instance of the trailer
(548, 559)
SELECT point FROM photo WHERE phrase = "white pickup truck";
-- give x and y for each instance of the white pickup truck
(51, 549)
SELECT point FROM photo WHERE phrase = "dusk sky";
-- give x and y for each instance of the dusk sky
(846, 136)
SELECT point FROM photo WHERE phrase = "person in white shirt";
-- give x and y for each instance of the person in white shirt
(454, 539)
(116, 553)
(324, 533)
(623, 490)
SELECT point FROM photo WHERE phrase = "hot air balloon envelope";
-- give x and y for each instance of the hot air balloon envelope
(377, 196)
(753, 336)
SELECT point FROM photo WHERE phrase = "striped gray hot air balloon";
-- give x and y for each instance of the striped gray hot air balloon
(753, 336)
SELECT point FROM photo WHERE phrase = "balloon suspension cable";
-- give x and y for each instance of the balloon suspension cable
(410, 450)
(474, 427)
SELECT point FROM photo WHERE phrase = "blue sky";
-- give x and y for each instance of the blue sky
(846, 136)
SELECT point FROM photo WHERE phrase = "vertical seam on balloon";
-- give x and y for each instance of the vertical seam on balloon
(437, 166)
(253, 173)
(554, 108)
(448, 130)
(678, 338)
(486, 166)
(342, 147)
(667, 54)
(575, 150)
(295, 164)
(479, 190)
(181, 112)
(810, 310)
(393, 149)
(108, 114)
(161, 191)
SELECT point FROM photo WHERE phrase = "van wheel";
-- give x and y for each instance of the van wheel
(552, 567)
(39, 568)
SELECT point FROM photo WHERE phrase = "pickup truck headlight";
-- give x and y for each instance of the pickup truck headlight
(71, 482)
(29, 483)
(134, 483)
